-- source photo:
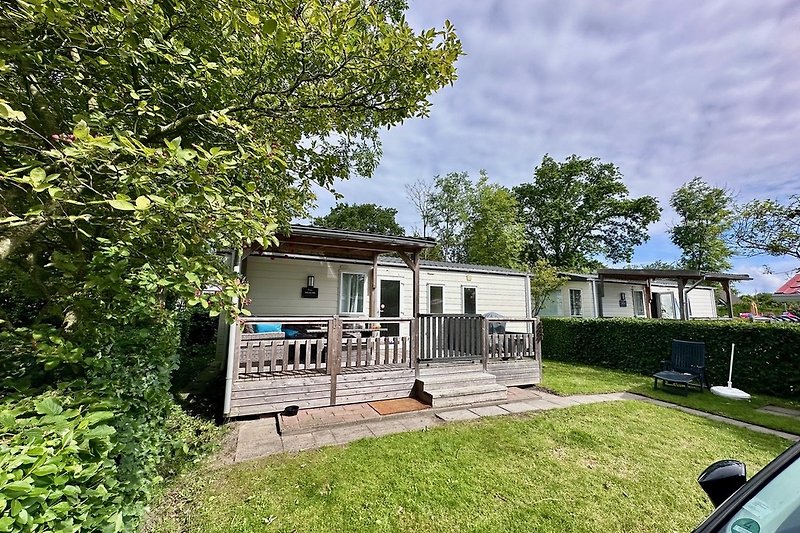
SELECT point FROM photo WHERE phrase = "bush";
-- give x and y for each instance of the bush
(767, 356)
(88, 427)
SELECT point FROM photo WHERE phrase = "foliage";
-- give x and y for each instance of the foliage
(138, 138)
(585, 468)
(765, 353)
(653, 265)
(544, 280)
(705, 216)
(492, 235)
(449, 214)
(579, 210)
(768, 227)
(197, 351)
(764, 301)
(362, 217)
(419, 194)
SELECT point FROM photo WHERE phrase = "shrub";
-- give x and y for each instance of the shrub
(767, 355)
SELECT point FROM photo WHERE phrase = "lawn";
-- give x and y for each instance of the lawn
(617, 466)
(567, 378)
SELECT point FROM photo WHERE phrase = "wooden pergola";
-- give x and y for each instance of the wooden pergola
(344, 244)
(684, 278)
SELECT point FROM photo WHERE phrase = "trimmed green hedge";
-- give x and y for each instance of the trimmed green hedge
(767, 356)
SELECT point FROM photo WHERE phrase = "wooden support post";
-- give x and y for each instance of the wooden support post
(485, 342)
(648, 297)
(599, 297)
(237, 350)
(726, 286)
(412, 262)
(682, 298)
(334, 353)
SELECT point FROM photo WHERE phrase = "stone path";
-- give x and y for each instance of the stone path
(782, 411)
(346, 423)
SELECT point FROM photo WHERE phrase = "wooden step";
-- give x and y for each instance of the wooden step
(465, 395)
(460, 378)
(435, 368)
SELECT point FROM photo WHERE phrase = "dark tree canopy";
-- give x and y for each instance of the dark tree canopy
(705, 216)
(579, 210)
(768, 227)
(362, 217)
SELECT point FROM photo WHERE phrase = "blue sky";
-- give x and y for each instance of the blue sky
(665, 90)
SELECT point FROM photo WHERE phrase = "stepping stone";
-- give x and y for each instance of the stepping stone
(453, 416)
(783, 411)
(489, 410)
(518, 407)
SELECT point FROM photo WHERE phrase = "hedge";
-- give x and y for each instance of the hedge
(767, 355)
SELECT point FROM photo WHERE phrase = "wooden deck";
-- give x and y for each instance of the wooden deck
(272, 373)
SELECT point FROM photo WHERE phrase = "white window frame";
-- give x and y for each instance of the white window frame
(464, 300)
(363, 293)
(431, 285)
(580, 295)
(644, 306)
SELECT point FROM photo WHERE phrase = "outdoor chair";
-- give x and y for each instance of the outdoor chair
(686, 365)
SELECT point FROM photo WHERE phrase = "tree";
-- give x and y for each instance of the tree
(579, 210)
(137, 139)
(705, 216)
(449, 214)
(419, 194)
(362, 217)
(768, 227)
(544, 280)
(492, 234)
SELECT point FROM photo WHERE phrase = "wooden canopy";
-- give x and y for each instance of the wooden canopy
(681, 276)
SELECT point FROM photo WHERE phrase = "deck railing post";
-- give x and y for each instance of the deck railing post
(334, 353)
(485, 342)
(416, 352)
(237, 349)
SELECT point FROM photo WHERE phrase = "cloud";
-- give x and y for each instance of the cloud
(666, 90)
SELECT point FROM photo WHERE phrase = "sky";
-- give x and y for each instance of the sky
(665, 90)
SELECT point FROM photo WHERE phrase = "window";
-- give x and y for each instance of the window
(470, 300)
(638, 303)
(552, 305)
(435, 299)
(351, 298)
(575, 305)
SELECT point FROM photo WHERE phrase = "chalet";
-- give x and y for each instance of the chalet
(344, 317)
(671, 294)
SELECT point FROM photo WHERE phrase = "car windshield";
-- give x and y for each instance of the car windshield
(773, 509)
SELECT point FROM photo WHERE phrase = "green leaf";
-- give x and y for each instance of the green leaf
(122, 205)
(253, 18)
(143, 203)
(98, 416)
(45, 470)
(38, 174)
(81, 130)
(48, 406)
(270, 26)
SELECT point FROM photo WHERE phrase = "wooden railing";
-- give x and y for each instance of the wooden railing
(350, 342)
(475, 337)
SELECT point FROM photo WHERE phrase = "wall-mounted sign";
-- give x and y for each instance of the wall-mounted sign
(309, 292)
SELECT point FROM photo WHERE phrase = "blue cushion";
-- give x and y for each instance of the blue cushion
(291, 333)
(267, 328)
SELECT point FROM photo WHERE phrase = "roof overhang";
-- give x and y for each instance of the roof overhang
(687, 275)
(326, 242)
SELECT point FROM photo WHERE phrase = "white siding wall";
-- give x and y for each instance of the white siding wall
(495, 292)
(275, 285)
(611, 299)
(702, 301)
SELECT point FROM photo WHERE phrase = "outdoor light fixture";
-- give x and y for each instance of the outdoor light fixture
(310, 281)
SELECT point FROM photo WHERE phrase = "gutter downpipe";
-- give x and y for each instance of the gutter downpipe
(594, 297)
(226, 408)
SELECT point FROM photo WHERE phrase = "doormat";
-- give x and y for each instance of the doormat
(400, 405)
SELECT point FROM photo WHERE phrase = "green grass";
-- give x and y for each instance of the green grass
(611, 467)
(567, 379)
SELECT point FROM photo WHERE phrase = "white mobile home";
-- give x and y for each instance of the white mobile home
(637, 293)
(347, 317)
